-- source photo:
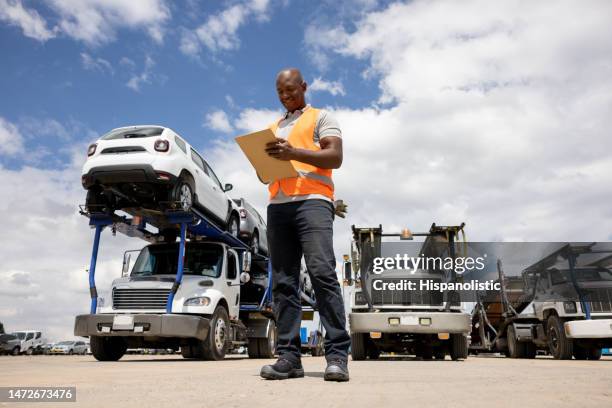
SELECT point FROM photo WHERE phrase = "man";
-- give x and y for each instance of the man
(300, 218)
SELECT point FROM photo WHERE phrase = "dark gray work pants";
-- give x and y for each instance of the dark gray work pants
(305, 227)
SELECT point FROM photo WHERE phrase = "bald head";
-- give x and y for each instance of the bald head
(291, 89)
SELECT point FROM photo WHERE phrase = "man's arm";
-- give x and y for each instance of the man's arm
(329, 157)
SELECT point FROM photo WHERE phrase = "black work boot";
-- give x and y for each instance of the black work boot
(336, 370)
(281, 370)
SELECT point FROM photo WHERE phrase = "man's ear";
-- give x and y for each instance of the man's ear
(304, 86)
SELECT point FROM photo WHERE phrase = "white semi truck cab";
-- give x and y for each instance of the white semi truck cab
(204, 294)
(384, 319)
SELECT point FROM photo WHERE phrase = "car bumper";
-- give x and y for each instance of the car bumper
(124, 173)
(589, 329)
(143, 325)
(58, 352)
(410, 322)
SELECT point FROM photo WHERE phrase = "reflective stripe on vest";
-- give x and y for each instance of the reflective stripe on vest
(311, 179)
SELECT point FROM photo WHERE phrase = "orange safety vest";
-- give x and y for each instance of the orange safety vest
(311, 179)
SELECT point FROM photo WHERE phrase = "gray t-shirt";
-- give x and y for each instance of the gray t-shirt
(326, 126)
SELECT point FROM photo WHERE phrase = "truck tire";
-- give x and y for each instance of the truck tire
(530, 350)
(267, 345)
(580, 353)
(559, 345)
(372, 350)
(253, 348)
(594, 354)
(516, 349)
(319, 349)
(358, 346)
(15, 351)
(187, 351)
(439, 354)
(29, 351)
(459, 347)
(107, 348)
(214, 346)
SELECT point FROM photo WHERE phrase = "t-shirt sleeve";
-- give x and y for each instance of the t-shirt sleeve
(327, 125)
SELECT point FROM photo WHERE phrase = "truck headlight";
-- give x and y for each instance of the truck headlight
(569, 307)
(197, 301)
(360, 299)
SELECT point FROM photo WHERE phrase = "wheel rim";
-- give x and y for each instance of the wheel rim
(220, 334)
(554, 339)
(255, 244)
(185, 197)
(234, 228)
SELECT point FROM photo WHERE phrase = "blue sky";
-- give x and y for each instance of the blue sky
(52, 80)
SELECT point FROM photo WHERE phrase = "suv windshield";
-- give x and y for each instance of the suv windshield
(202, 259)
(133, 133)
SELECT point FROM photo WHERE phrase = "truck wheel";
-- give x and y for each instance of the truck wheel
(358, 346)
(15, 351)
(187, 351)
(516, 349)
(319, 349)
(595, 354)
(459, 347)
(213, 347)
(560, 346)
(29, 351)
(372, 350)
(267, 345)
(253, 348)
(439, 354)
(530, 350)
(107, 348)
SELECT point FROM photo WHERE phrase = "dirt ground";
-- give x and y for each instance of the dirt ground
(170, 381)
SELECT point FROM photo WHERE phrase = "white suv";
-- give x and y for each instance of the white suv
(152, 167)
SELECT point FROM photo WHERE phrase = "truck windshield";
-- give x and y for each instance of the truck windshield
(202, 259)
(19, 335)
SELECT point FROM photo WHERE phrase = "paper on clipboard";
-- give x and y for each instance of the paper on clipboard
(269, 169)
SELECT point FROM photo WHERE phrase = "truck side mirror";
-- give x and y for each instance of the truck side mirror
(348, 273)
(126, 265)
(246, 261)
(245, 277)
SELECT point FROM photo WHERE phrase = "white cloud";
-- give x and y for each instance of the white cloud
(96, 64)
(145, 77)
(251, 119)
(11, 140)
(96, 22)
(219, 121)
(321, 85)
(220, 31)
(30, 22)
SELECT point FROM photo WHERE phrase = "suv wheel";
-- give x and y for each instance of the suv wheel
(183, 195)
(233, 226)
(255, 243)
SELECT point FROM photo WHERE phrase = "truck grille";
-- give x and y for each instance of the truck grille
(406, 297)
(140, 298)
(600, 300)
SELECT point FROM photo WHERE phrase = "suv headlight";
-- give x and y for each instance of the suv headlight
(197, 301)
(569, 307)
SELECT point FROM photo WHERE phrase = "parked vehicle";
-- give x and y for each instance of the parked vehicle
(9, 344)
(564, 311)
(46, 348)
(30, 342)
(211, 300)
(69, 348)
(153, 168)
(252, 227)
(420, 322)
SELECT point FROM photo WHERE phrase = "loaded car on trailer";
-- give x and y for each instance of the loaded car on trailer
(559, 305)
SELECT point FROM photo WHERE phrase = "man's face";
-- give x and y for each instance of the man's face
(291, 90)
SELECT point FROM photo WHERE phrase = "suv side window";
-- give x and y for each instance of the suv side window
(231, 266)
(181, 144)
(30, 336)
(198, 160)
(213, 176)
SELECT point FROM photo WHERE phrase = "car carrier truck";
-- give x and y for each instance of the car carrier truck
(558, 304)
(205, 294)
(425, 323)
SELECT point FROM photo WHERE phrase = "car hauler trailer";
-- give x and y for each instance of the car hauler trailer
(565, 311)
(204, 294)
(426, 323)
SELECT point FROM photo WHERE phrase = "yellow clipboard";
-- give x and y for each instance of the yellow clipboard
(268, 168)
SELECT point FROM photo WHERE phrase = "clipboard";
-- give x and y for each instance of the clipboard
(268, 168)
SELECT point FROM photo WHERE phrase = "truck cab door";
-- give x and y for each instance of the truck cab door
(232, 278)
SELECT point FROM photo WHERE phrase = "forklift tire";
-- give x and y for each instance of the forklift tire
(215, 344)
(459, 347)
(559, 345)
(267, 345)
(107, 348)
(516, 349)
(358, 346)
(595, 354)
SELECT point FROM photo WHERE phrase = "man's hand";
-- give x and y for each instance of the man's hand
(281, 149)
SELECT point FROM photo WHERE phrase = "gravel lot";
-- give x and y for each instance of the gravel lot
(170, 381)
